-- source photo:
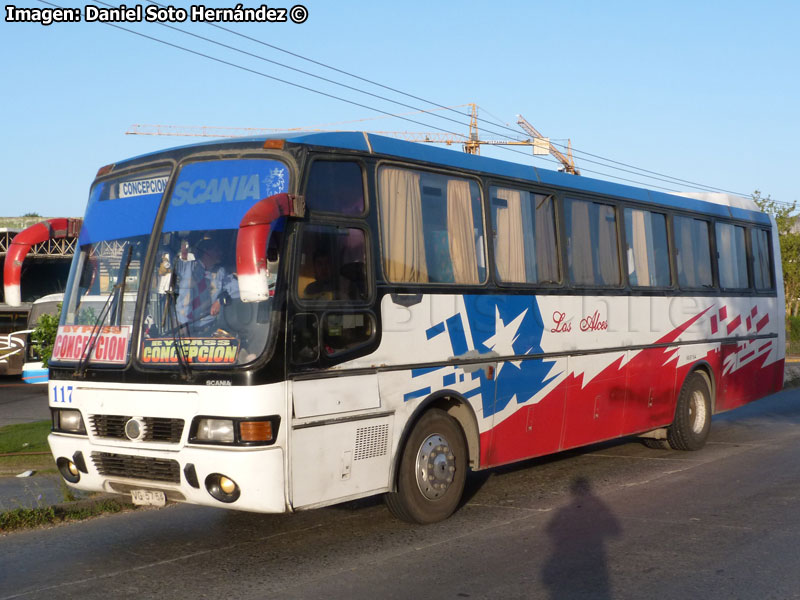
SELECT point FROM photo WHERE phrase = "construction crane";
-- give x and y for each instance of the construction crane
(471, 142)
(567, 161)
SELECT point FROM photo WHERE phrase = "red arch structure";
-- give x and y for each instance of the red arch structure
(21, 245)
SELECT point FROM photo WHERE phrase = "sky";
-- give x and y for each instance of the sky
(705, 92)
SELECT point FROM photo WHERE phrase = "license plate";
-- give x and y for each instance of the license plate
(148, 497)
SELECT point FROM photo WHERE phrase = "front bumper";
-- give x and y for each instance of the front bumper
(259, 472)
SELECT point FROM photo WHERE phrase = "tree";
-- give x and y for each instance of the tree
(43, 337)
(789, 238)
(31, 214)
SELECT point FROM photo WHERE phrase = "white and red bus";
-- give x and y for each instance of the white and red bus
(298, 321)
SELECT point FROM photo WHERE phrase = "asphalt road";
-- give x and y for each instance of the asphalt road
(22, 402)
(612, 521)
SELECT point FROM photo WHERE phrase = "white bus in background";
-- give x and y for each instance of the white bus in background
(33, 371)
(294, 322)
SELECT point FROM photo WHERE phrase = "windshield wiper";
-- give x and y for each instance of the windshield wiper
(83, 363)
(172, 311)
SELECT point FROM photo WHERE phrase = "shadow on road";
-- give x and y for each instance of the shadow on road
(579, 531)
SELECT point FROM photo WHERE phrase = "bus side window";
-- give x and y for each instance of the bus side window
(342, 332)
(592, 253)
(305, 338)
(335, 187)
(693, 251)
(524, 221)
(647, 247)
(762, 268)
(332, 265)
(431, 228)
(732, 256)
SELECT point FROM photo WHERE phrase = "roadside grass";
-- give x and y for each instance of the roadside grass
(27, 518)
(24, 437)
(11, 465)
(18, 441)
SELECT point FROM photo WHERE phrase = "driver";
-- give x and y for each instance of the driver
(202, 285)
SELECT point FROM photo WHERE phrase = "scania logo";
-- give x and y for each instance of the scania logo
(135, 429)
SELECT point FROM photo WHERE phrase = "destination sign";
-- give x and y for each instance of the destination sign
(207, 351)
(142, 187)
(110, 347)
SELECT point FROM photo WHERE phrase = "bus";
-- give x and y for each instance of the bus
(295, 321)
(33, 369)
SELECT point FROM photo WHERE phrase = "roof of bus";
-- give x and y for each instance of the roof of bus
(50, 298)
(721, 205)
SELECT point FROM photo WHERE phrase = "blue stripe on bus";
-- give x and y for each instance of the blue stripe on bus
(472, 392)
(416, 394)
(119, 218)
(449, 379)
(433, 154)
(434, 331)
(440, 156)
(217, 194)
(458, 339)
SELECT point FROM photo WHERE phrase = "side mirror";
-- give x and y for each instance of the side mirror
(251, 242)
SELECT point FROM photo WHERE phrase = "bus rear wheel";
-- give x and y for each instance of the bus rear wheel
(432, 472)
(689, 430)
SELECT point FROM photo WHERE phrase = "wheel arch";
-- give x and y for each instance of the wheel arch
(455, 405)
(705, 369)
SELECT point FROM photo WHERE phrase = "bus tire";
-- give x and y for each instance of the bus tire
(692, 423)
(433, 469)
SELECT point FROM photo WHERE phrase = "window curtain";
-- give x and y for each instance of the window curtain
(401, 220)
(461, 232)
(641, 251)
(528, 229)
(686, 257)
(546, 249)
(761, 259)
(740, 258)
(509, 237)
(580, 239)
(607, 245)
(727, 277)
(702, 253)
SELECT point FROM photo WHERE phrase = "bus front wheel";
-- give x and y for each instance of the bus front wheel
(692, 422)
(432, 471)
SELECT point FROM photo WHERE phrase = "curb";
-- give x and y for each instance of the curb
(22, 519)
(63, 508)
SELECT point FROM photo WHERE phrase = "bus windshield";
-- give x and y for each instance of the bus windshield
(195, 314)
(99, 302)
(192, 300)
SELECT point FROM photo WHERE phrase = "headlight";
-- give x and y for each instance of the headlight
(239, 431)
(215, 430)
(68, 421)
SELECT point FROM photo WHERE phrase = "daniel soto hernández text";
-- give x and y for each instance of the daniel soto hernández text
(156, 14)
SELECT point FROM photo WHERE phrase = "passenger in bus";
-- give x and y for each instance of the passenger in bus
(324, 285)
(202, 286)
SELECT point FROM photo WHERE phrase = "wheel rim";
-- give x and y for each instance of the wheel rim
(697, 411)
(435, 466)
